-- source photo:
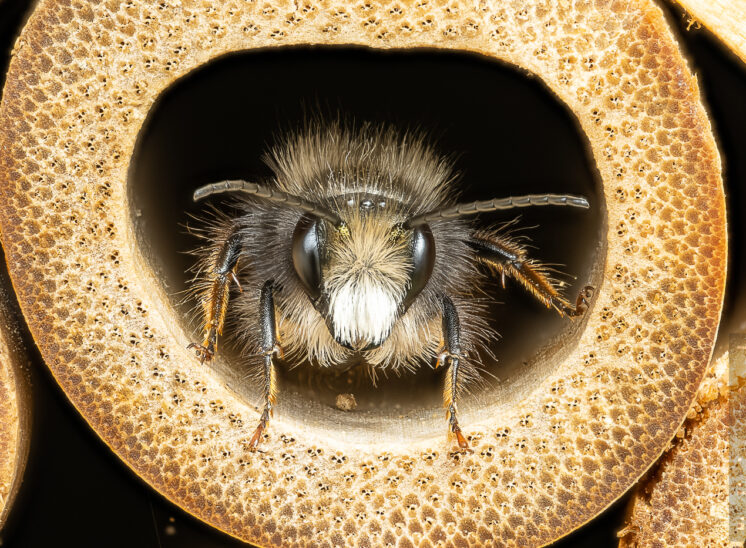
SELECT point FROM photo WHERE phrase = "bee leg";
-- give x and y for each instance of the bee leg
(505, 257)
(216, 302)
(451, 355)
(270, 347)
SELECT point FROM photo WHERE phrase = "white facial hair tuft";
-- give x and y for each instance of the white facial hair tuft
(362, 312)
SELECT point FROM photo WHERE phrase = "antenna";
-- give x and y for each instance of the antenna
(485, 206)
(270, 194)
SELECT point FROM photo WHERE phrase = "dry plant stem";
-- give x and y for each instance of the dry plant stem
(697, 494)
(726, 19)
(83, 80)
(15, 405)
(737, 440)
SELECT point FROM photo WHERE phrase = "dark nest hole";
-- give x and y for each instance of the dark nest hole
(508, 133)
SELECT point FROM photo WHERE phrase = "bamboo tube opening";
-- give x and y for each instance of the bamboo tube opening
(508, 135)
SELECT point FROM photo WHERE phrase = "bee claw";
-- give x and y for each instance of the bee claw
(263, 423)
(583, 300)
(462, 443)
(456, 429)
(203, 353)
(254, 442)
(581, 304)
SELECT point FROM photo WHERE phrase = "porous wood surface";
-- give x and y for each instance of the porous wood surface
(82, 81)
(696, 496)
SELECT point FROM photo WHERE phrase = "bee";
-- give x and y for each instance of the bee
(356, 248)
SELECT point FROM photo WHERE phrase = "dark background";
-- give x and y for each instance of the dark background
(77, 493)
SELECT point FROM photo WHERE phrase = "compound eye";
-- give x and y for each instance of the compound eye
(306, 254)
(423, 259)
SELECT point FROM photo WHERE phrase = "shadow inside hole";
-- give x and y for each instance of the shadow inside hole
(509, 135)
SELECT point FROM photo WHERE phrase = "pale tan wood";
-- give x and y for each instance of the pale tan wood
(15, 404)
(696, 495)
(697, 492)
(724, 18)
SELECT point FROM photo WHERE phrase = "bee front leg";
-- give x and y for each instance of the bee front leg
(216, 301)
(270, 347)
(451, 355)
(507, 258)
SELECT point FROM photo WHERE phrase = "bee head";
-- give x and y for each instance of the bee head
(362, 274)
(363, 262)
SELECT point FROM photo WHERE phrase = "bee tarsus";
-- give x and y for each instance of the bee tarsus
(451, 355)
(216, 305)
(270, 348)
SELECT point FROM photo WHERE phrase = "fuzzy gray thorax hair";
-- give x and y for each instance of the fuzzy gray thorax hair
(322, 163)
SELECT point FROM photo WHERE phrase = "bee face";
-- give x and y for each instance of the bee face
(363, 274)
